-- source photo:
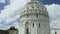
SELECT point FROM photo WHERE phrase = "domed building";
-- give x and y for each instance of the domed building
(34, 19)
(13, 30)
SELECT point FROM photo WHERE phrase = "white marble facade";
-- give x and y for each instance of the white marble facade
(34, 19)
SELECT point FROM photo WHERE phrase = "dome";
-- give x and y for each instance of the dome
(12, 28)
(34, 7)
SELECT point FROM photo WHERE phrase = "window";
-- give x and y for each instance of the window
(39, 24)
(37, 15)
(55, 32)
(27, 31)
(32, 6)
(27, 16)
(33, 24)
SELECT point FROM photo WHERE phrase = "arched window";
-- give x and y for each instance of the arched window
(27, 16)
(55, 32)
(39, 24)
(33, 24)
(37, 15)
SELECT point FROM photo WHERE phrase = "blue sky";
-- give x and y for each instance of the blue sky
(10, 9)
(50, 1)
(3, 4)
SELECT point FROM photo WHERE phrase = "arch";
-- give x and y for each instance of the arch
(27, 27)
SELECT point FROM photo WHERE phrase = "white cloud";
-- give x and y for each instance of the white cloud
(16, 24)
(2, 1)
(11, 12)
(12, 20)
(53, 9)
(54, 13)
(11, 9)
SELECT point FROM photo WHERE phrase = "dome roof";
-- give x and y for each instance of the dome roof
(34, 6)
(12, 28)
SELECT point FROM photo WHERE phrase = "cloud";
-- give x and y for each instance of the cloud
(53, 9)
(55, 23)
(2, 1)
(16, 24)
(54, 14)
(11, 12)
